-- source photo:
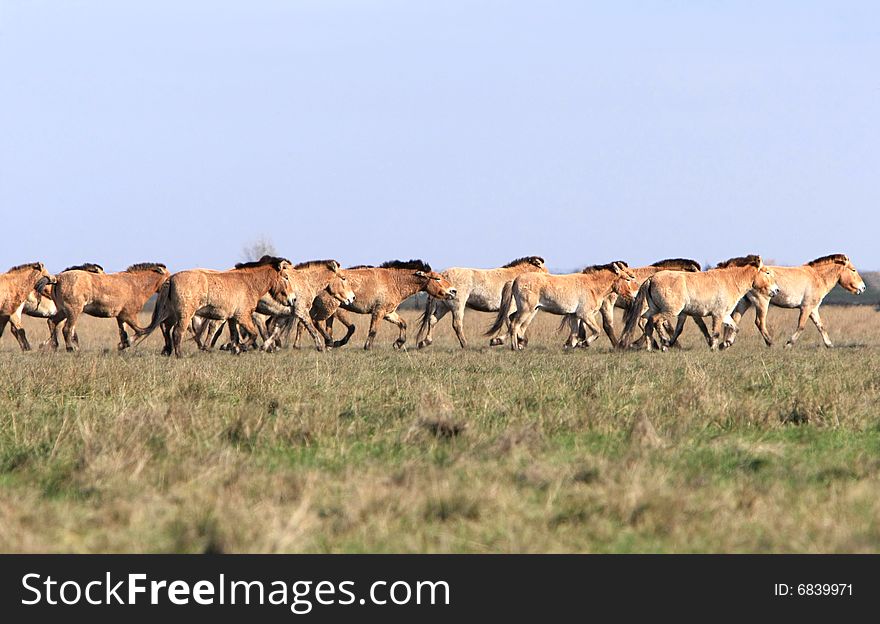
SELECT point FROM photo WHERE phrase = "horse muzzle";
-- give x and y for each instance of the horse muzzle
(861, 289)
(450, 294)
(774, 291)
(349, 300)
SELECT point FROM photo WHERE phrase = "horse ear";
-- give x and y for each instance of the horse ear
(615, 267)
(420, 274)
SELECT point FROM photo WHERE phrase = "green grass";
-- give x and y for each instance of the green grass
(484, 450)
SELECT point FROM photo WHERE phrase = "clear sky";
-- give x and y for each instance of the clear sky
(466, 133)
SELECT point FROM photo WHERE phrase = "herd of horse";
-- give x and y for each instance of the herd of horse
(262, 302)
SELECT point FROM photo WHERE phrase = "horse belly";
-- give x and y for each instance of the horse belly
(96, 308)
(212, 312)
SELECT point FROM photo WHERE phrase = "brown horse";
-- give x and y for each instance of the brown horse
(41, 304)
(578, 296)
(16, 285)
(803, 287)
(478, 289)
(379, 291)
(221, 295)
(308, 280)
(104, 295)
(672, 295)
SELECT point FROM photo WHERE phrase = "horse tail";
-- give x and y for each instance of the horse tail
(633, 314)
(503, 310)
(425, 318)
(160, 313)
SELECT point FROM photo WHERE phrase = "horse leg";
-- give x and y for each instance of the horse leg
(123, 318)
(458, 324)
(761, 322)
(69, 330)
(574, 328)
(679, 327)
(717, 329)
(394, 317)
(350, 328)
(607, 312)
(375, 317)
(649, 343)
(18, 330)
(817, 321)
(519, 329)
(592, 330)
(802, 324)
(434, 311)
(704, 329)
(306, 320)
(245, 321)
(178, 330)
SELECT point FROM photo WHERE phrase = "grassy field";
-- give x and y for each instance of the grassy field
(440, 450)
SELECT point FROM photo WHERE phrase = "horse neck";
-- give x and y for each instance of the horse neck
(643, 273)
(519, 269)
(828, 275)
(743, 278)
(407, 283)
(22, 282)
(148, 279)
(262, 278)
(601, 283)
(315, 278)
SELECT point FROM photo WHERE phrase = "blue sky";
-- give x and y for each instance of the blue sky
(464, 133)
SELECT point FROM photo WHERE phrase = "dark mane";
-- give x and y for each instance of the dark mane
(262, 262)
(146, 266)
(36, 266)
(91, 267)
(414, 265)
(362, 266)
(681, 264)
(750, 260)
(603, 267)
(330, 264)
(536, 260)
(835, 258)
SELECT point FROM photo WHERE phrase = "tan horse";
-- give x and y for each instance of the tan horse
(477, 289)
(308, 280)
(578, 296)
(221, 295)
(672, 295)
(16, 285)
(104, 295)
(803, 287)
(616, 301)
(379, 291)
(41, 305)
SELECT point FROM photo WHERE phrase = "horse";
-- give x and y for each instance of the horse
(673, 295)
(16, 286)
(578, 296)
(379, 291)
(615, 301)
(802, 287)
(221, 295)
(41, 305)
(119, 295)
(478, 289)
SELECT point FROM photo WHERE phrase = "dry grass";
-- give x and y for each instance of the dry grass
(443, 450)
